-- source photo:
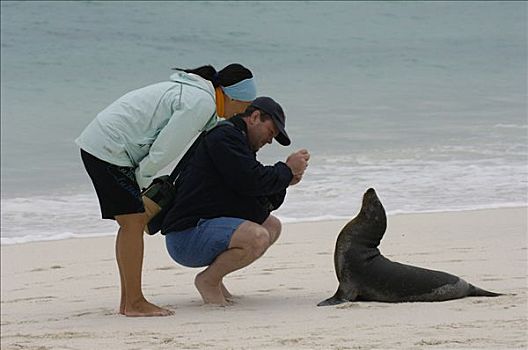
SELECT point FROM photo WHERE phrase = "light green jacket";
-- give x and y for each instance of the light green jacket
(150, 127)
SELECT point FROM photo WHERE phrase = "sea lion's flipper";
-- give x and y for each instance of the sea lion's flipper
(338, 298)
(478, 292)
(331, 301)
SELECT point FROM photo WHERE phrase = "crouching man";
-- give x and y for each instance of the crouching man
(221, 215)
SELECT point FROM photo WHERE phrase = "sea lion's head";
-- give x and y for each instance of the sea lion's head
(371, 208)
(373, 216)
(369, 225)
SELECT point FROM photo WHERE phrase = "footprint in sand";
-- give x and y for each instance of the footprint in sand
(41, 269)
(103, 287)
(31, 299)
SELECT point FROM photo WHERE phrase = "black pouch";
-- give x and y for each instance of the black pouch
(156, 199)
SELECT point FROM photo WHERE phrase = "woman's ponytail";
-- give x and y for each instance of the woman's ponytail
(230, 75)
(207, 72)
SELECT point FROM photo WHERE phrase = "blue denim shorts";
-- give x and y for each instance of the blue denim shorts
(199, 246)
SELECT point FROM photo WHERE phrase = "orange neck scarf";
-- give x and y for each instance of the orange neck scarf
(219, 94)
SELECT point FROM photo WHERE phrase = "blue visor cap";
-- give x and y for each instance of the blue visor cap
(245, 90)
(273, 109)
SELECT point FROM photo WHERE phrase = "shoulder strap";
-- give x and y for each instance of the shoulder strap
(185, 159)
(223, 122)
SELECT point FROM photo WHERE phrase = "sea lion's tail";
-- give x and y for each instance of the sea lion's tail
(334, 300)
(478, 292)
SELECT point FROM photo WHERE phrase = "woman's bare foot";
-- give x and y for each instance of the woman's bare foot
(211, 292)
(143, 308)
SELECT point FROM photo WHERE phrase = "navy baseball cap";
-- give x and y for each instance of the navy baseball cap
(274, 110)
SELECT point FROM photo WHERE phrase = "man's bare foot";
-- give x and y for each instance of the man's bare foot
(145, 309)
(211, 293)
(225, 292)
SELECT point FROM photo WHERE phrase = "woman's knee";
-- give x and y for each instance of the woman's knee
(132, 222)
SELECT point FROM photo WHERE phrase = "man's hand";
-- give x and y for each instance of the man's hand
(304, 153)
(295, 180)
(298, 162)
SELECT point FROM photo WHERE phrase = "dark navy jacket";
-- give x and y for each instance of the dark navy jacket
(224, 178)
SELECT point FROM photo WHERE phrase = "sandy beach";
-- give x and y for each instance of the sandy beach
(64, 294)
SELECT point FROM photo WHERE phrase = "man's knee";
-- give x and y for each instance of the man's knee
(274, 227)
(252, 237)
(261, 241)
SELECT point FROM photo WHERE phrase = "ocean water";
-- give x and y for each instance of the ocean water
(424, 101)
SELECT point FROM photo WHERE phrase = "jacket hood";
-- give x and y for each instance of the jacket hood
(194, 80)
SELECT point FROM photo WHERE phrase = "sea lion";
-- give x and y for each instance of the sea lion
(366, 275)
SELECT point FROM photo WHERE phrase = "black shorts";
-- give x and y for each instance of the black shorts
(116, 187)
